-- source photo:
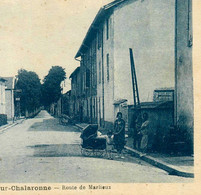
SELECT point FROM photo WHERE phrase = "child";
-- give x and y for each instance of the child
(110, 145)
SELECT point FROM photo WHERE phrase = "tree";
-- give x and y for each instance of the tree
(51, 89)
(29, 84)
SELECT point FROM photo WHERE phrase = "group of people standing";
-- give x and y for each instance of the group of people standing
(140, 126)
(141, 129)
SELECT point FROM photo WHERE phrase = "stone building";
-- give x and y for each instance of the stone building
(148, 28)
(184, 110)
(76, 100)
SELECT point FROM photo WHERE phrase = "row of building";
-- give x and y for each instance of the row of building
(160, 34)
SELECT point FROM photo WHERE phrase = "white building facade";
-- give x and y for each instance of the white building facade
(2, 96)
(184, 101)
(148, 28)
(9, 97)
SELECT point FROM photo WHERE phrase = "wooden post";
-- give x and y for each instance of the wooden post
(134, 80)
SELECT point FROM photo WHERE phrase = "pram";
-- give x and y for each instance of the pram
(92, 145)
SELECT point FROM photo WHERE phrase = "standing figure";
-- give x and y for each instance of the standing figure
(144, 131)
(138, 128)
(110, 145)
(119, 134)
(135, 126)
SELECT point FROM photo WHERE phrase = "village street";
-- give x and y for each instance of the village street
(42, 150)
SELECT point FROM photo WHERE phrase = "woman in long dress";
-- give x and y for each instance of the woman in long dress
(145, 130)
(119, 134)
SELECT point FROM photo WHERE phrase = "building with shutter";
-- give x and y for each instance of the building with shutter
(148, 27)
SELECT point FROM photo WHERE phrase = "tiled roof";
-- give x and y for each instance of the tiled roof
(102, 13)
(74, 72)
(2, 79)
(165, 89)
(154, 105)
(120, 101)
(9, 82)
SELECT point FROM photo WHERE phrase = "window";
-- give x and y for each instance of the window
(107, 28)
(87, 78)
(83, 65)
(99, 71)
(83, 82)
(92, 71)
(108, 67)
(99, 38)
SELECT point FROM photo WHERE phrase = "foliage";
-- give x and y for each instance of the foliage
(51, 89)
(30, 90)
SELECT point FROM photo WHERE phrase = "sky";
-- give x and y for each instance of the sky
(36, 35)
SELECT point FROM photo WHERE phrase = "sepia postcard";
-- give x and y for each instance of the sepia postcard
(100, 97)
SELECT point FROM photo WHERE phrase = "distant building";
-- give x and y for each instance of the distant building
(2, 96)
(148, 28)
(66, 103)
(10, 108)
(3, 116)
(77, 102)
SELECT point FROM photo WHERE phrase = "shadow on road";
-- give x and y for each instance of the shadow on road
(73, 150)
(52, 125)
(56, 150)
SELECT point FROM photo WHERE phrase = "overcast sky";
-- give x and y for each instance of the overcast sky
(38, 34)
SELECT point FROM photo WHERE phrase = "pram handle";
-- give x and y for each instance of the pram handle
(86, 138)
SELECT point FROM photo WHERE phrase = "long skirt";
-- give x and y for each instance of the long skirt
(119, 142)
(144, 143)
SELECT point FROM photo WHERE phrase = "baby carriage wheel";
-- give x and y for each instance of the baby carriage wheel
(85, 152)
(98, 153)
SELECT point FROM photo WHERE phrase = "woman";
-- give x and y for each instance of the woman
(119, 134)
(135, 126)
(144, 131)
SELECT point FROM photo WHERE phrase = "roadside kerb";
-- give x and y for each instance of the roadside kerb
(5, 127)
(172, 170)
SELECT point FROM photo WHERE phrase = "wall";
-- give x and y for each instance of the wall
(2, 98)
(105, 86)
(75, 92)
(184, 75)
(88, 76)
(161, 119)
(97, 97)
(148, 28)
(9, 104)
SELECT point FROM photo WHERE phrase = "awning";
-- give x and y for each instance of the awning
(120, 101)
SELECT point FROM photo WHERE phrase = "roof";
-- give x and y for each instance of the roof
(67, 93)
(2, 79)
(154, 105)
(9, 82)
(165, 89)
(102, 13)
(74, 72)
(120, 101)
